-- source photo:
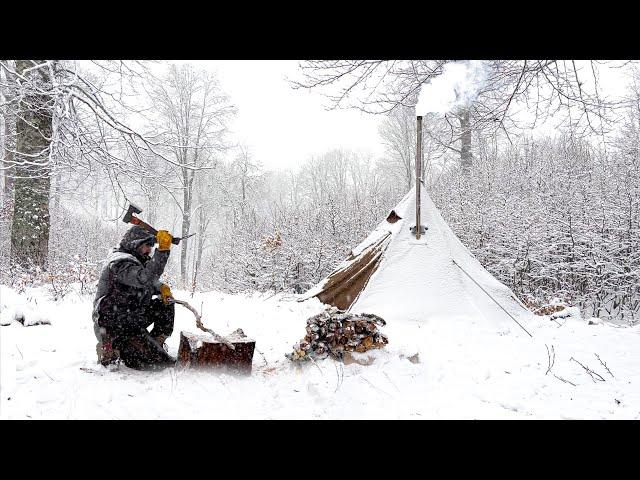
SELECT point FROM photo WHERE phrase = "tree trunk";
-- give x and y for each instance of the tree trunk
(465, 137)
(202, 223)
(9, 144)
(186, 224)
(152, 206)
(30, 225)
(244, 196)
(152, 194)
(57, 194)
(408, 173)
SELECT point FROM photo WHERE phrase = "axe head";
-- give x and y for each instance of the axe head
(130, 211)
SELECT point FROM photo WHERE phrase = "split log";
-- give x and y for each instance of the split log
(206, 351)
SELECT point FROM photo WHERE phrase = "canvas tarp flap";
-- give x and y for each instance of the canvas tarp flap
(343, 286)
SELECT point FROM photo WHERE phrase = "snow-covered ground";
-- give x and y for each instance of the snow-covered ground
(466, 368)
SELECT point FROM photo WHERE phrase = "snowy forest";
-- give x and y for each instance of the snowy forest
(551, 215)
(324, 239)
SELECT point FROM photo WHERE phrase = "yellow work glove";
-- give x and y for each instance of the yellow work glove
(164, 240)
(165, 292)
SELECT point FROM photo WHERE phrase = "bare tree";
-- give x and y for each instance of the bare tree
(192, 116)
(244, 169)
(398, 134)
(67, 120)
(546, 87)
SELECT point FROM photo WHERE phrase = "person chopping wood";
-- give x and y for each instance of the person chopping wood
(127, 302)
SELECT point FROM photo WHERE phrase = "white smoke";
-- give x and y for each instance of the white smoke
(458, 85)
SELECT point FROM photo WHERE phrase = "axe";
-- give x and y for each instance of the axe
(129, 217)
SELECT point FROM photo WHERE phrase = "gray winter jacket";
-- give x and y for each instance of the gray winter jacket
(127, 283)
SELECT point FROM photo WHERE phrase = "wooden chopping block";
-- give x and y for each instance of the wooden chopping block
(206, 352)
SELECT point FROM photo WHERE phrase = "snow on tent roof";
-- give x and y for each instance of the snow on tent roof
(399, 278)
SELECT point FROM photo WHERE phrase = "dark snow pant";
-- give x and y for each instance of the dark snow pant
(136, 346)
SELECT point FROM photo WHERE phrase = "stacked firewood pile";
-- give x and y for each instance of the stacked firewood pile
(549, 309)
(539, 309)
(334, 332)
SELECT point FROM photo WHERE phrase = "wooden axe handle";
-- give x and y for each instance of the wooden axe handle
(146, 226)
(149, 228)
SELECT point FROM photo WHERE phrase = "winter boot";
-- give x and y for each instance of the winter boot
(107, 355)
(142, 352)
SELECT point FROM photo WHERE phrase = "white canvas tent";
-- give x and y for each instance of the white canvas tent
(399, 278)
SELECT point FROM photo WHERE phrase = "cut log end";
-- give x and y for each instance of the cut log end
(204, 351)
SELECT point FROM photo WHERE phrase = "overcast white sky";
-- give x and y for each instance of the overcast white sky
(283, 126)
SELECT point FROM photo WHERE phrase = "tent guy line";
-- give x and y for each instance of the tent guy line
(491, 297)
